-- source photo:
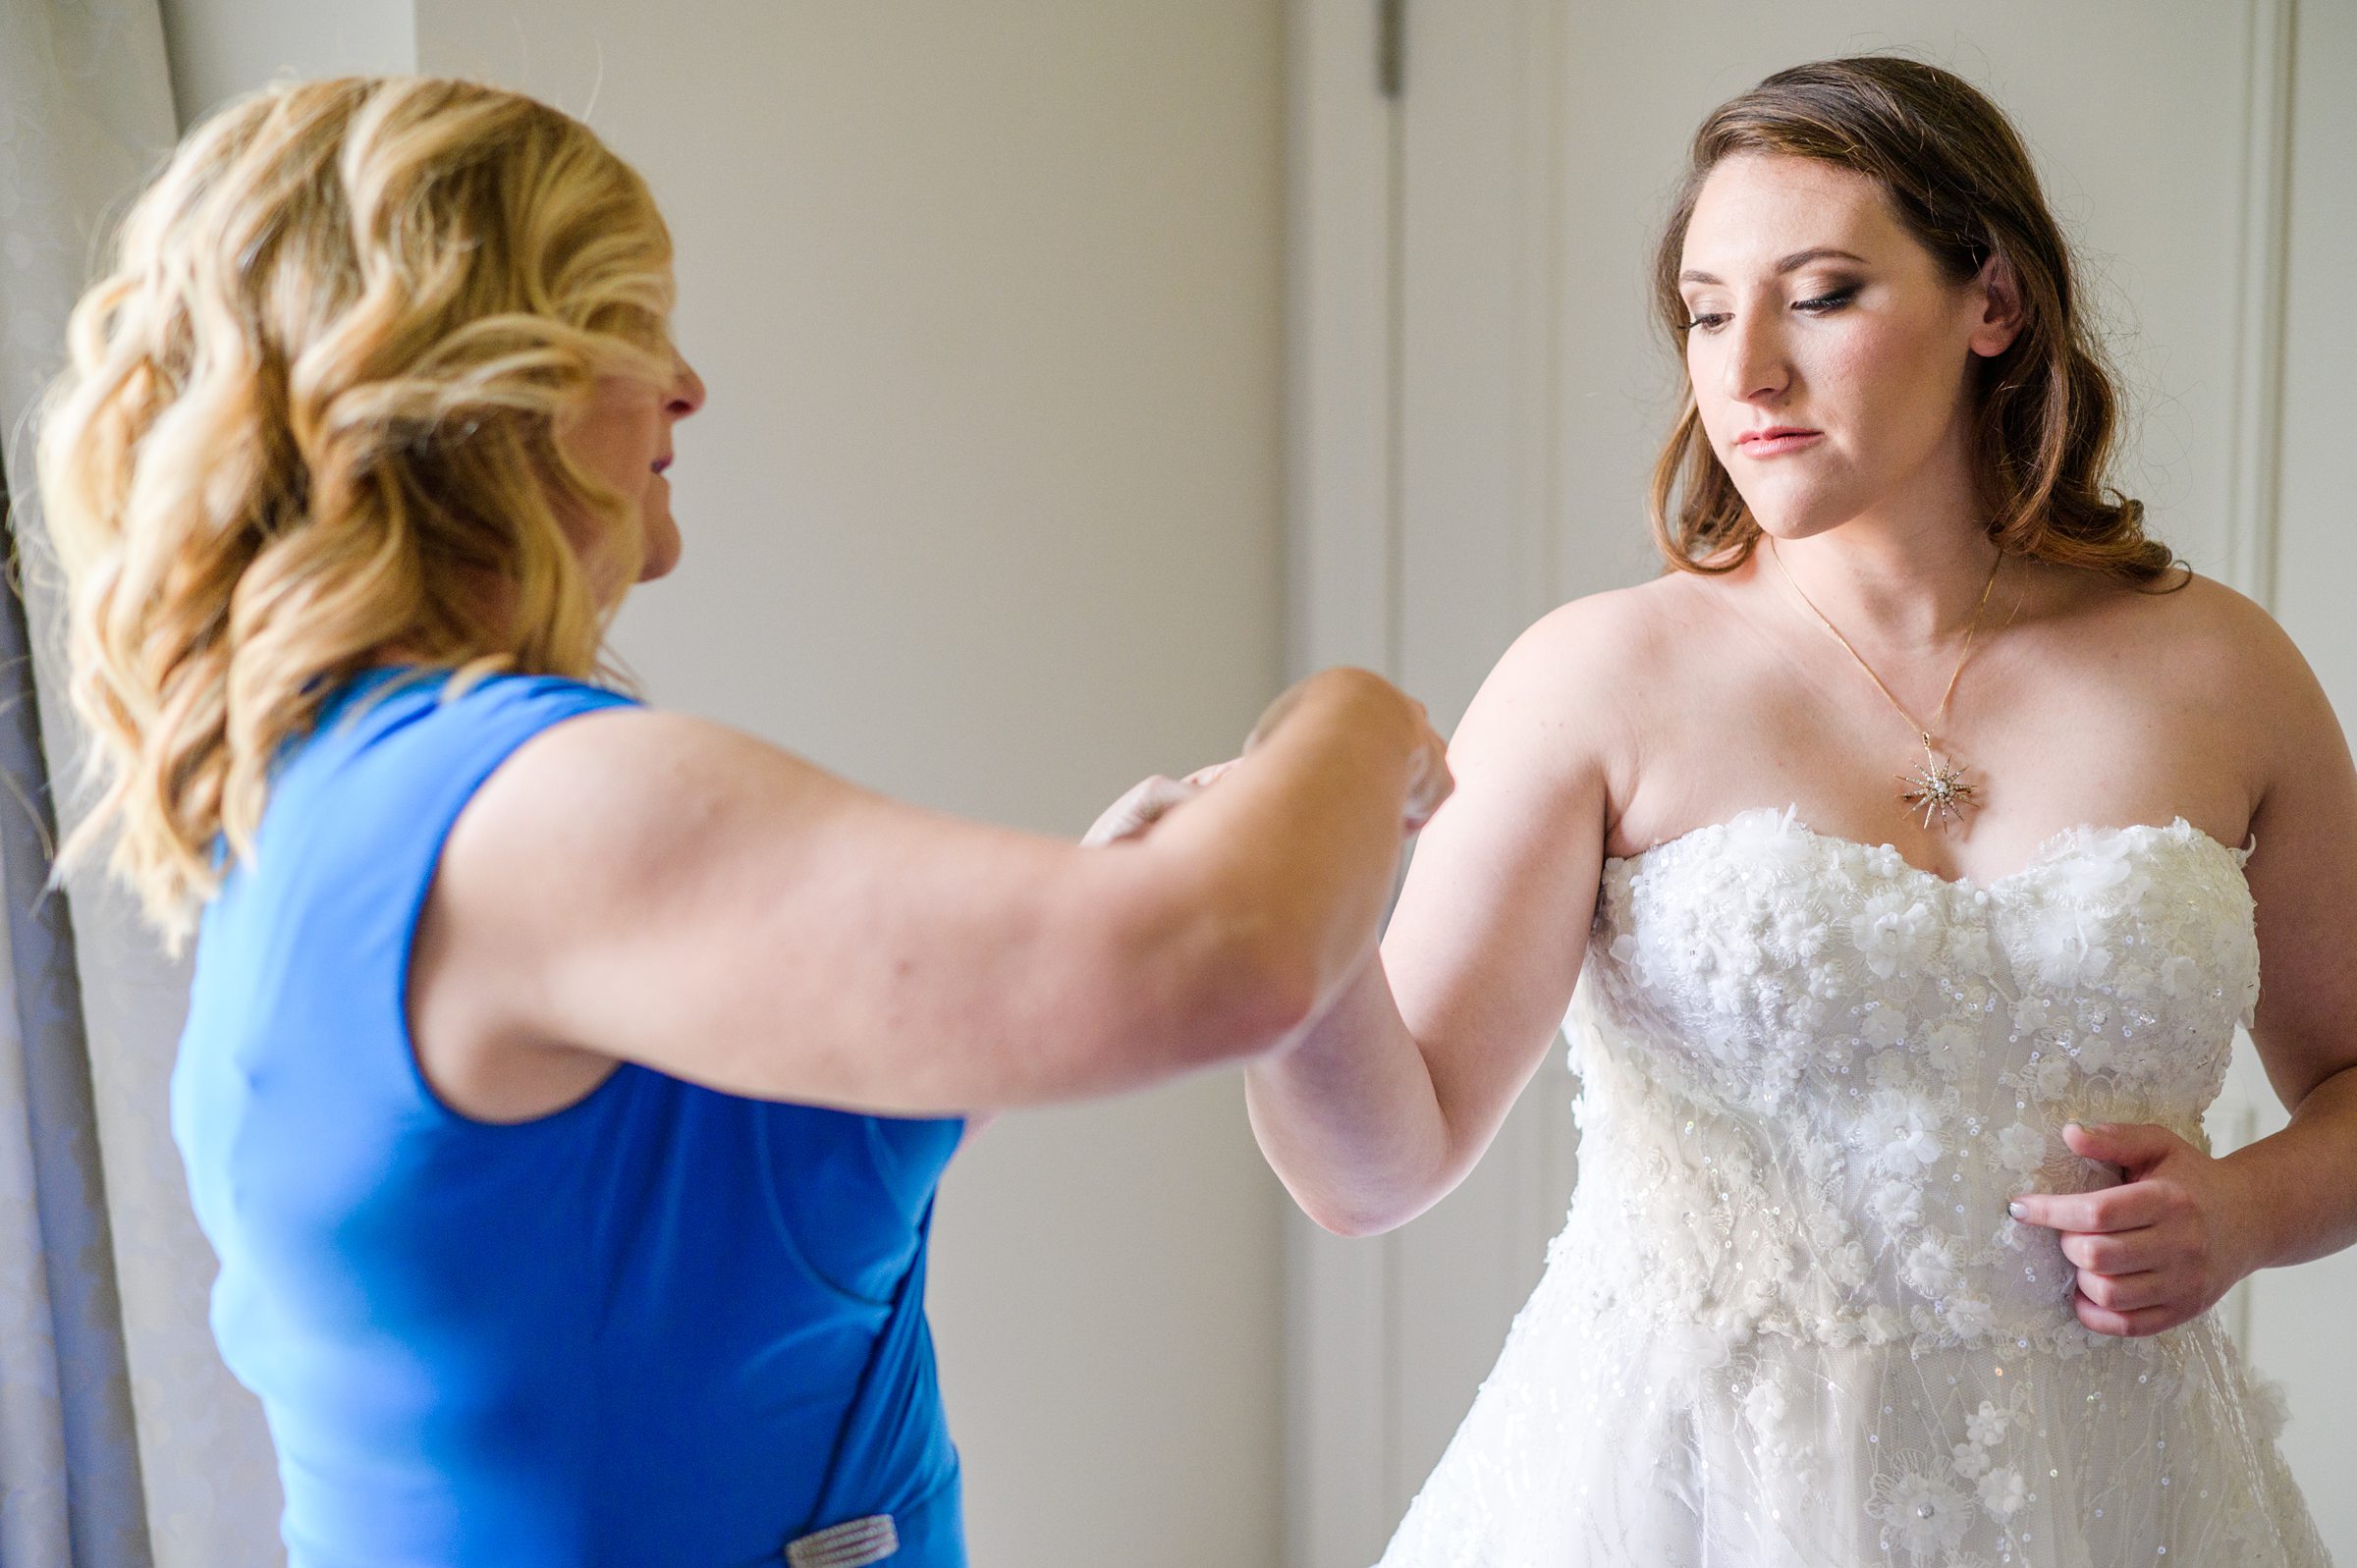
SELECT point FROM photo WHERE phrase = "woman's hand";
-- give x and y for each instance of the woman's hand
(1429, 781)
(2161, 1247)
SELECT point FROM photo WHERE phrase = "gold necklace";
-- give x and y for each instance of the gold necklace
(1938, 783)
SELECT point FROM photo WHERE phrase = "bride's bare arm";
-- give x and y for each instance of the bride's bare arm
(2302, 876)
(1394, 1091)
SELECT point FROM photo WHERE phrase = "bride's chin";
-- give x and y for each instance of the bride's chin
(1782, 529)
(1788, 524)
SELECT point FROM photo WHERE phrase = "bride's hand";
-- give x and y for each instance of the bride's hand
(1429, 781)
(1147, 802)
(2156, 1250)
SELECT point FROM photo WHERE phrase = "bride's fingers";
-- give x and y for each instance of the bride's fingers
(2131, 1207)
(2132, 1324)
(1429, 781)
(1432, 786)
(2124, 1253)
(2125, 1292)
(1145, 804)
(2132, 1146)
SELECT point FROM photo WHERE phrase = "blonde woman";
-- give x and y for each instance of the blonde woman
(565, 1083)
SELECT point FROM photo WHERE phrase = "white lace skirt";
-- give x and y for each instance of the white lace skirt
(1602, 1439)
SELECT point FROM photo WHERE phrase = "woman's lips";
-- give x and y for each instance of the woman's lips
(1776, 442)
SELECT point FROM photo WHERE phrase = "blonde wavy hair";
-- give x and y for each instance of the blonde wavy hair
(310, 415)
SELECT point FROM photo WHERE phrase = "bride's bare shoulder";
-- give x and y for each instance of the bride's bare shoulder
(2195, 632)
(2213, 662)
(1573, 693)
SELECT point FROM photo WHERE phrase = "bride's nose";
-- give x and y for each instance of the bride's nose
(1756, 368)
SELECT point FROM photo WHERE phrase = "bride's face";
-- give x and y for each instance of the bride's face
(1831, 357)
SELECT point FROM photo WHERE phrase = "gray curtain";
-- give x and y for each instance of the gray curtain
(86, 113)
(69, 1462)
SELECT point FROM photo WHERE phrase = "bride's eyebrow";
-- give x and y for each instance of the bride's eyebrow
(1792, 263)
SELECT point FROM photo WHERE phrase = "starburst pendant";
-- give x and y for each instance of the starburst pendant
(1938, 787)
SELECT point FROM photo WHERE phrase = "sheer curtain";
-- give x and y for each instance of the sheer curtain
(86, 1049)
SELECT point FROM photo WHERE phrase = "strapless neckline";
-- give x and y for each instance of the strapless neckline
(2051, 850)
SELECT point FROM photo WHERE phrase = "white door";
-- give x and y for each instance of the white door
(1477, 396)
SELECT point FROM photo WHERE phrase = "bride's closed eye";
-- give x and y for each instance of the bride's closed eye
(1817, 305)
(1835, 299)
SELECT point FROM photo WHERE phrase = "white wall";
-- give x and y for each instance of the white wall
(984, 511)
(2312, 564)
(220, 48)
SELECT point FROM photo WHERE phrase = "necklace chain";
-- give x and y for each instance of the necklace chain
(1921, 729)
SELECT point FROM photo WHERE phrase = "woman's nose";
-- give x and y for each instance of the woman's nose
(687, 389)
(1756, 367)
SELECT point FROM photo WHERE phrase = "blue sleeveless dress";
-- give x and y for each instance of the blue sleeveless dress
(663, 1326)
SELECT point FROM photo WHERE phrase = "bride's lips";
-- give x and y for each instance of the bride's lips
(1775, 440)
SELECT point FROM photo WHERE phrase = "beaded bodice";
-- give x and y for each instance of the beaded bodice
(1788, 1323)
(1814, 1074)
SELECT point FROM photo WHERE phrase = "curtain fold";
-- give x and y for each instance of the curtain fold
(85, 114)
(70, 1489)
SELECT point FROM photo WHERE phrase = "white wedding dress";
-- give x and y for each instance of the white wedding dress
(1789, 1323)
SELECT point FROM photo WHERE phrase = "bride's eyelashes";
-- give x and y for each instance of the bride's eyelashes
(1819, 305)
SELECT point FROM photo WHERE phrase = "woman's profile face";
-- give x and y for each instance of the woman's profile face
(1830, 356)
(623, 435)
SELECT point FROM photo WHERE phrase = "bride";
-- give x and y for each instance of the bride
(1901, 839)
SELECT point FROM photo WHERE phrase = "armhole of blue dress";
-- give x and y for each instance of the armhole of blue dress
(512, 737)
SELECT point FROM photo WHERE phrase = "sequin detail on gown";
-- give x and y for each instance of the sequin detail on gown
(1789, 1323)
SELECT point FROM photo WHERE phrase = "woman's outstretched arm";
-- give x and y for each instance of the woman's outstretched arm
(645, 887)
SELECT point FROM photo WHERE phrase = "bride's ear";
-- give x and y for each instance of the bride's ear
(1996, 290)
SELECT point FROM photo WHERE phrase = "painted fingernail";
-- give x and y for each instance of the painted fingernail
(2018, 1210)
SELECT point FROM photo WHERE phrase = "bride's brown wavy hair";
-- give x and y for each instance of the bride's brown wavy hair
(1961, 181)
(309, 414)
